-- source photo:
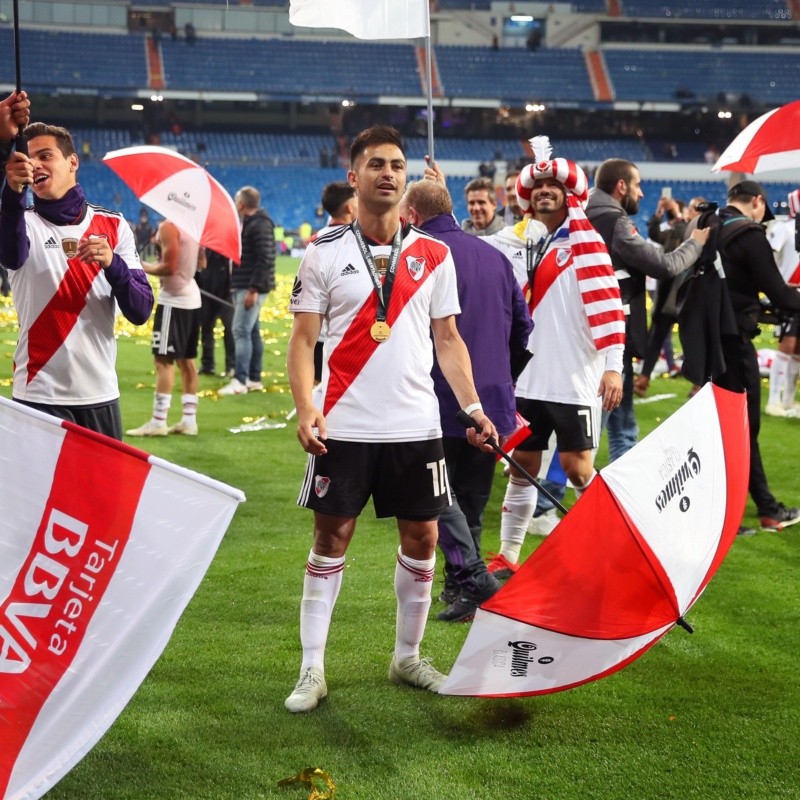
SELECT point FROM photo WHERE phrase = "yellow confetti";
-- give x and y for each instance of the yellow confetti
(309, 777)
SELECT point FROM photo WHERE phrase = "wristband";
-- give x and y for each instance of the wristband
(472, 407)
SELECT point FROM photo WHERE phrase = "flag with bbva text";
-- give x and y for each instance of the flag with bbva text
(101, 549)
(365, 19)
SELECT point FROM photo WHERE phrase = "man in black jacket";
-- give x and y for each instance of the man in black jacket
(749, 269)
(251, 281)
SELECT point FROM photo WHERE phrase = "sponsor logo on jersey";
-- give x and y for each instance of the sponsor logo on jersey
(296, 289)
(563, 256)
(518, 254)
(349, 270)
(51, 243)
(416, 267)
(321, 485)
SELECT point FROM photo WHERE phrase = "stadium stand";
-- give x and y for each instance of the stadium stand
(706, 10)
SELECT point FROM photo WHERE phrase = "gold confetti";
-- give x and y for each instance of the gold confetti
(309, 777)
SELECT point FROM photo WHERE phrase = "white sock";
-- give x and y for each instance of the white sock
(579, 490)
(777, 376)
(161, 404)
(413, 581)
(320, 590)
(790, 383)
(189, 404)
(519, 504)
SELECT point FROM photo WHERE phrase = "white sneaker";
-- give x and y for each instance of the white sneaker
(150, 428)
(417, 672)
(186, 428)
(308, 691)
(779, 410)
(234, 387)
(544, 523)
(254, 386)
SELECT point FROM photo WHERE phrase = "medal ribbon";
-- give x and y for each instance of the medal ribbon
(383, 290)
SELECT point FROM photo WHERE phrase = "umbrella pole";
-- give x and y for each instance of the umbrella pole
(467, 421)
(21, 144)
(214, 297)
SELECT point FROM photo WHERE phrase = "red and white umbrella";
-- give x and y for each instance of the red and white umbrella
(624, 565)
(183, 192)
(771, 142)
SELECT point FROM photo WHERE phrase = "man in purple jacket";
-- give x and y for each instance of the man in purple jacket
(495, 325)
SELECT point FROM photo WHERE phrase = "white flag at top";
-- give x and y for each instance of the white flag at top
(365, 19)
(101, 549)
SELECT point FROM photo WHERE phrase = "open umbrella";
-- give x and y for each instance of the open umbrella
(624, 566)
(183, 192)
(771, 142)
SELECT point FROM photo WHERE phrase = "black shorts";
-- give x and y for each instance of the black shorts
(577, 427)
(791, 327)
(175, 332)
(406, 479)
(104, 418)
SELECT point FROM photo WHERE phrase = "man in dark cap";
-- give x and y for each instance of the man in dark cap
(749, 269)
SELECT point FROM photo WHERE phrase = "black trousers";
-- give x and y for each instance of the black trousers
(742, 375)
(210, 311)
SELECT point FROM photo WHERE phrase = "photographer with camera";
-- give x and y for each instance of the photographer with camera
(749, 269)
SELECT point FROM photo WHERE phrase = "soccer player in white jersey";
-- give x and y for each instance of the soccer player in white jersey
(383, 287)
(71, 265)
(783, 239)
(577, 341)
(176, 327)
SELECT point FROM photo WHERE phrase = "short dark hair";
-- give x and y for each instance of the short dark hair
(335, 195)
(611, 171)
(377, 134)
(62, 136)
(481, 185)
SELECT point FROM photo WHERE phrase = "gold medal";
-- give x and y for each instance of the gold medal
(380, 331)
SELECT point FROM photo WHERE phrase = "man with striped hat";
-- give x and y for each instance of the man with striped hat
(577, 341)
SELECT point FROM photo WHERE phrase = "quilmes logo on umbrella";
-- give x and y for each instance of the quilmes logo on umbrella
(519, 658)
(680, 473)
(182, 200)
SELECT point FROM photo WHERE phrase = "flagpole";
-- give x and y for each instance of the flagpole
(429, 81)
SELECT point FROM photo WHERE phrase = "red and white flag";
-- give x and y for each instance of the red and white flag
(101, 548)
(365, 19)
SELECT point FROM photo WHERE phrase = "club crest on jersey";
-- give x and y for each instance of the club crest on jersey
(69, 246)
(416, 267)
(562, 256)
(321, 485)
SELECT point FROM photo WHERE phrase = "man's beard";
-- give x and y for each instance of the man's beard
(630, 204)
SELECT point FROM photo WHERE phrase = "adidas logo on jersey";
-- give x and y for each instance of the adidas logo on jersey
(52, 243)
(349, 270)
(518, 254)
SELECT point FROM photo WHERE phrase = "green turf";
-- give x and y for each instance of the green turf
(711, 715)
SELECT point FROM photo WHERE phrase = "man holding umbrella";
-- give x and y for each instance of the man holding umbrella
(69, 262)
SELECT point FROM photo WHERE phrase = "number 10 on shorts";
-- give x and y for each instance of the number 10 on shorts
(439, 476)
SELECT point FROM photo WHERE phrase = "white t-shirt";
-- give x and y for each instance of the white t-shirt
(377, 391)
(781, 240)
(66, 352)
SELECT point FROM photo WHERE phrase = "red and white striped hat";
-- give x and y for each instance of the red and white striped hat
(794, 203)
(566, 172)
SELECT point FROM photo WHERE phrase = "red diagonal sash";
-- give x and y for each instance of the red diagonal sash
(357, 346)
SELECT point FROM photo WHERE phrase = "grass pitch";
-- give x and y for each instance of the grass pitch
(709, 716)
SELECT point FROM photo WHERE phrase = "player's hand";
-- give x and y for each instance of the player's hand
(15, 113)
(487, 431)
(19, 172)
(701, 235)
(250, 298)
(95, 250)
(610, 390)
(311, 431)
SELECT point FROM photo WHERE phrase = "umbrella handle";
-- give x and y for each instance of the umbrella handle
(467, 421)
(684, 624)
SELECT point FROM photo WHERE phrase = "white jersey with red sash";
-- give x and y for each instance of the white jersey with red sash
(66, 352)
(781, 240)
(375, 391)
(578, 326)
